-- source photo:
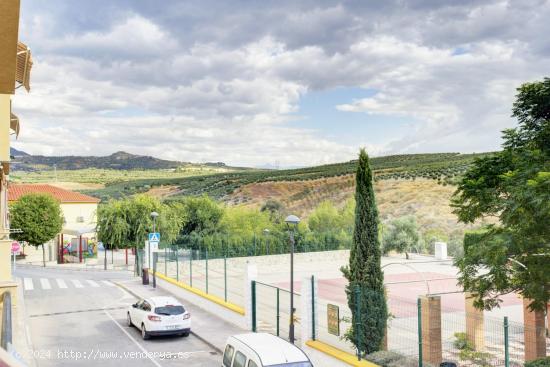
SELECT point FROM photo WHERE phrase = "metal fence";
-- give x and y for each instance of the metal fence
(421, 330)
(222, 277)
(271, 311)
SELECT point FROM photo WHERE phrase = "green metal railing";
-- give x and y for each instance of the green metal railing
(420, 357)
(254, 317)
(199, 270)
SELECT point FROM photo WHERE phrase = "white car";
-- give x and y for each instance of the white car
(159, 316)
(262, 349)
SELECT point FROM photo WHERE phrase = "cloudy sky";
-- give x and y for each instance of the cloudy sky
(291, 83)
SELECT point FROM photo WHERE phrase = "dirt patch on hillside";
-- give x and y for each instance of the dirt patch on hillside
(162, 192)
(427, 200)
(77, 185)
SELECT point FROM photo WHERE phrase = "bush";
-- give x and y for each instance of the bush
(393, 359)
(541, 362)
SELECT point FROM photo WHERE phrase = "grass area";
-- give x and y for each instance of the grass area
(441, 167)
(110, 176)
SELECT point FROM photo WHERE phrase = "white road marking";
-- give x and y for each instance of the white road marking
(132, 339)
(92, 283)
(77, 283)
(45, 283)
(106, 282)
(28, 284)
(61, 283)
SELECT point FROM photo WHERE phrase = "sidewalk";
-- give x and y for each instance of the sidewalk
(206, 326)
(211, 328)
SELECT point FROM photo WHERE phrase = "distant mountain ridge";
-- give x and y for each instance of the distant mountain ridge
(119, 160)
(17, 153)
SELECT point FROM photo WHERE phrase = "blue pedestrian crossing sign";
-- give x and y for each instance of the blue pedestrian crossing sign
(154, 237)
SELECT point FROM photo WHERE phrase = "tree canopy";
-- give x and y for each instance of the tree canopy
(513, 186)
(39, 218)
(401, 236)
(365, 289)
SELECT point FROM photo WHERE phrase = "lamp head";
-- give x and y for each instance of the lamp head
(266, 231)
(154, 214)
(292, 219)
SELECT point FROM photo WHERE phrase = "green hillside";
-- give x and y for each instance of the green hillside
(444, 167)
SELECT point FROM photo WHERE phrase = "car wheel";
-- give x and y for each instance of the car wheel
(186, 334)
(128, 319)
(144, 333)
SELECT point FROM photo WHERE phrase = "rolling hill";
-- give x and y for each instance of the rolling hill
(440, 167)
(118, 160)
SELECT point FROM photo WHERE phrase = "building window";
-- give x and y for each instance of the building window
(80, 219)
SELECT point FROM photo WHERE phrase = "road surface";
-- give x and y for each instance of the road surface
(78, 318)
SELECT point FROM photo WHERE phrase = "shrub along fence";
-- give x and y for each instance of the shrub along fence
(220, 245)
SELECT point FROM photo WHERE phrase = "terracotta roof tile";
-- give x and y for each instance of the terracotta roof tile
(15, 191)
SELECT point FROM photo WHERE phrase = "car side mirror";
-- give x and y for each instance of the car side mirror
(134, 305)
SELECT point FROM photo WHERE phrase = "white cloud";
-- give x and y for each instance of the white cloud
(212, 82)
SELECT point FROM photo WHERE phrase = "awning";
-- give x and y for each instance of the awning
(14, 124)
(23, 66)
(78, 231)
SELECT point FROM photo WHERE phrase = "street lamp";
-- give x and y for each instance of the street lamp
(266, 233)
(292, 222)
(154, 215)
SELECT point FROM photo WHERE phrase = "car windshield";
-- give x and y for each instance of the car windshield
(292, 364)
(169, 310)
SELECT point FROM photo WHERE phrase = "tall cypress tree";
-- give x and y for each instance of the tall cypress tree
(365, 289)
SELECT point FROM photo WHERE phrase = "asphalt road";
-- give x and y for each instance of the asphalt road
(78, 318)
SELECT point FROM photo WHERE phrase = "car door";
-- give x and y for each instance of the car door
(134, 312)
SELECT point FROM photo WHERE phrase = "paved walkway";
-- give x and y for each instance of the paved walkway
(206, 326)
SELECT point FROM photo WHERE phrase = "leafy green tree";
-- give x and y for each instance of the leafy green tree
(365, 289)
(202, 215)
(39, 218)
(245, 222)
(401, 236)
(170, 222)
(514, 186)
(325, 218)
(112, 225)
(275, 209)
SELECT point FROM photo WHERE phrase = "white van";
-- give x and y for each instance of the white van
(262, 350)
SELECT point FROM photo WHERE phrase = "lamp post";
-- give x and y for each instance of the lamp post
(266, 233)
(154, 215)
(294, 221)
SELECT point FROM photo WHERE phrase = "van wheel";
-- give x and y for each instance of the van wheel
(128, 319)
(144, 333)
(186, 334)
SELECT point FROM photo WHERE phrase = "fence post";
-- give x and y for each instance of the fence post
(313, 307)
(165, 262)
(278, 311)
(177, 266)
(506, 345)
(419, 307)
(191, 268)
(206, 257)
(357, 325)
(254, 306)
(225, 277)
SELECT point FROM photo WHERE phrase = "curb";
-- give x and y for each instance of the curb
(339, 354)
(192, 332)
(230, 306)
